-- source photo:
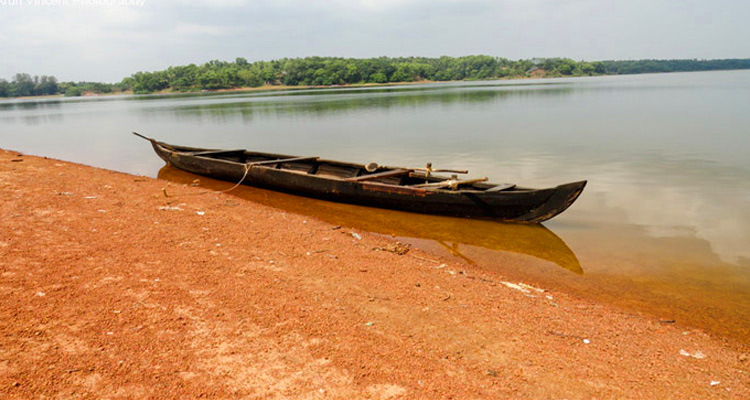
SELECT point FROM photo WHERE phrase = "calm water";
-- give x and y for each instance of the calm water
(663, 226)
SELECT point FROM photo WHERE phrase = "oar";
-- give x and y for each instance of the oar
(452, 183)
(428, 169)
(372, 167)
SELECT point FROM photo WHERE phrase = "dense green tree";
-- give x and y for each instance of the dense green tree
(378, 77)
(46, 85)
(249, 78)
(321, 77)
(4, 88)
(22, 85)
(95, 87)
(213, 79)
(586, 68)
(126, 84)
(267, 71)
(73, 91)
(352, 73)
(599, 68)
(404, 73)
(148, 82)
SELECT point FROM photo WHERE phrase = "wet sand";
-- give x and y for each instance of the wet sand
(112, 289)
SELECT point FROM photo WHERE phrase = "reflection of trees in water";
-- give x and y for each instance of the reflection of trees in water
(222, 106)
(30, 105)
(307, 103)
(49, 111)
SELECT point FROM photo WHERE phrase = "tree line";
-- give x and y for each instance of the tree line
(330, 71)
(25, 85)
(655, 66)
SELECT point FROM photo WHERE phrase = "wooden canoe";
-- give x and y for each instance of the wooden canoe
(406, 189)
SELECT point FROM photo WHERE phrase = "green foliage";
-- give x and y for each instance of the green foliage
(328, 71)
(249, 78)
(46, 85)
(96, 87)
(22, 85)
(599, 68)
(73, 91)
(652, 66)
(125, 85)
(378, 77)
(26, 85)
(319, 71)
(148, 82)
(4, 88)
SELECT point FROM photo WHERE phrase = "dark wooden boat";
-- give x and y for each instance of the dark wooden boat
(408, 189)
(453, 234)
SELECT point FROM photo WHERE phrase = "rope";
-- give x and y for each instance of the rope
(247, 169)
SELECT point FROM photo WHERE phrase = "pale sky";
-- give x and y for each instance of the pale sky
(105, 40)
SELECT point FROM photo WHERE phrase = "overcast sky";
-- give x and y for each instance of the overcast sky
(103, 40)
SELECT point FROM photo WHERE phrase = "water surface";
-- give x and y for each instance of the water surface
(663, 226)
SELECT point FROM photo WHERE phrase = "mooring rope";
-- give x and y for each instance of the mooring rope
(247, 169)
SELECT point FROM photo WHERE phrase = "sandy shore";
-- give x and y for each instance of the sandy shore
(112, 290)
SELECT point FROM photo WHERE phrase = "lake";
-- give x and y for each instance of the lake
(663, 227)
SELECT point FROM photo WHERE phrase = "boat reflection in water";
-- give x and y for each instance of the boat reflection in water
(534, 240)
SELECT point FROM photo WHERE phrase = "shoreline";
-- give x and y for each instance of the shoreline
(537, 74)
(273, 88)
(263, 88)
(111, 287)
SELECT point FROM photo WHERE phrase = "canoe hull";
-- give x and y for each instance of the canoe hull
(532, 206)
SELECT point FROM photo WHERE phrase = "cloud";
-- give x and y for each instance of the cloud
(110, 42)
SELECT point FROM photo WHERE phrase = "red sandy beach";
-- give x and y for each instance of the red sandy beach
(112, 290)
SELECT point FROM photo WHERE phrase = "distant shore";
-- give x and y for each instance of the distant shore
(269, 88)
(322, 72)
(538, 74)
(239, 89)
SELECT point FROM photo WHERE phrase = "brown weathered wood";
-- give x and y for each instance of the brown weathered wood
(216, 152)
(379, 175)
(281, 161)
(452, 183)
(497, 188)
